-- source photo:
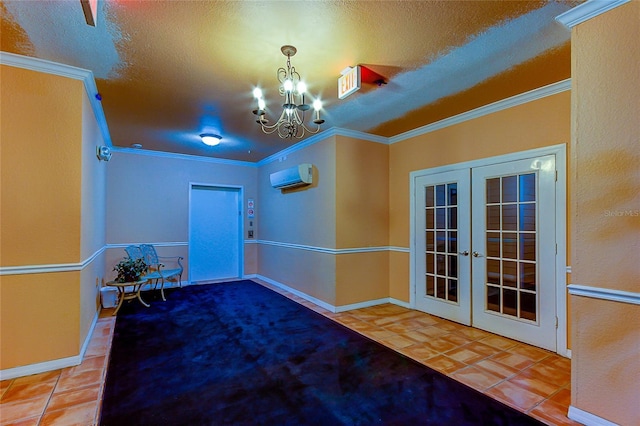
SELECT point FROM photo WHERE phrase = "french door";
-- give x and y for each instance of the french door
(485, 248)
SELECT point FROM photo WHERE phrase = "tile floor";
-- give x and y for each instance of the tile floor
(526, 378)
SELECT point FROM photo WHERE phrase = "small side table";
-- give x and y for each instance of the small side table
(123, 294)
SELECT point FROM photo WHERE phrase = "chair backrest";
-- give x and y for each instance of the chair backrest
(149, 253)
(134, 252)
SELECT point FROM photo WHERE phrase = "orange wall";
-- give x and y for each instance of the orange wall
(605, 212)
(362, 220)
(536, 124)
(41, 168)
(40, 181)
(302, 216)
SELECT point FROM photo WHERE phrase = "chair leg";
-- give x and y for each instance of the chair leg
(162, 290)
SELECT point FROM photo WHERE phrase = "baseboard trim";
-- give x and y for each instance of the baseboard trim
(298, 293)
(56, 364)
(328, 306)
(588, 419)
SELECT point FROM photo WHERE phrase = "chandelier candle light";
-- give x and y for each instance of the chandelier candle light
(292, 88)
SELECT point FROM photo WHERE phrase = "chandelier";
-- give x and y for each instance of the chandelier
(292, 88)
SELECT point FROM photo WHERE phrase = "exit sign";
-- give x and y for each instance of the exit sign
(349, 82)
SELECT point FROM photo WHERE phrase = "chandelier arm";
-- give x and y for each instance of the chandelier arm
(290, 124)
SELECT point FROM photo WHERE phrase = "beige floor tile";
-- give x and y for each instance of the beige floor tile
(22, 409)
(419, 352)
(549, 374)
(77, 415)
(80, 380)
(60, 400)
(514, 396)
(518, 362)
(496, 368)
(552, 413)
(534, 385)
(498, 342)
(477, 378)
(465, 354)
(534, 354)
(397, 342)
(24, 391)
(444, 364)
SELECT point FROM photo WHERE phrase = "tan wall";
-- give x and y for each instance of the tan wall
(362, 219)
(40, 187)
(540, 123)
(362, 193)
(41, 168)
(361, 277)
(148, 201)
(606, 224)
(302, 216)
(312, 273)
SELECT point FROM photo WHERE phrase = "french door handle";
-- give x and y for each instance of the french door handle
(476, 254)
(464, 253)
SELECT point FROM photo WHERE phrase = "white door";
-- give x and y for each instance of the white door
(443, 285)
(514, 250)
(485, 248)
(214, 233)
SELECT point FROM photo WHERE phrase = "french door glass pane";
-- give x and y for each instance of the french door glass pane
(511, 246)
(441, 214)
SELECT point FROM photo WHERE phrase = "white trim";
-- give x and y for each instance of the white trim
(42, 367)
(325, 305)
(334, 131)
(361, 305)
(298, 293)
(523, 98)
(561, 199)
(43, 269)
(630, 297)
(400, 303)
(333, 251)
(54, 68)
(176, 156)
(586, 418)
(155, 244)
(587, 10)
(87, 339)
(241, 211)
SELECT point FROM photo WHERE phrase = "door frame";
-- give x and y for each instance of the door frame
(240, 240)
(561, 267)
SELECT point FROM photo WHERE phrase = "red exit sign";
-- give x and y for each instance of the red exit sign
(349, 82)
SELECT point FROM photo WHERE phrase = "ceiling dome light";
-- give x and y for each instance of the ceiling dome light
(210, 139)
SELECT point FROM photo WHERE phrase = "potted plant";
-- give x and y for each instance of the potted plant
(130, 270)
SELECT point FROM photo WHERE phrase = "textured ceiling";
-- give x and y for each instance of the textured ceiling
(169, 70)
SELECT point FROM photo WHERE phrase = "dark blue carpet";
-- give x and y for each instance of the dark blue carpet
(240, 354)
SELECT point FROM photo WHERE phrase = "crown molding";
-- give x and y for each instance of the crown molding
(587, 10)
(523, 98)
(68, 71)
(174, 155)
(333, 131)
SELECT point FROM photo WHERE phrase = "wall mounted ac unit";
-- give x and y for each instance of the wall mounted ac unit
(299, 175)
